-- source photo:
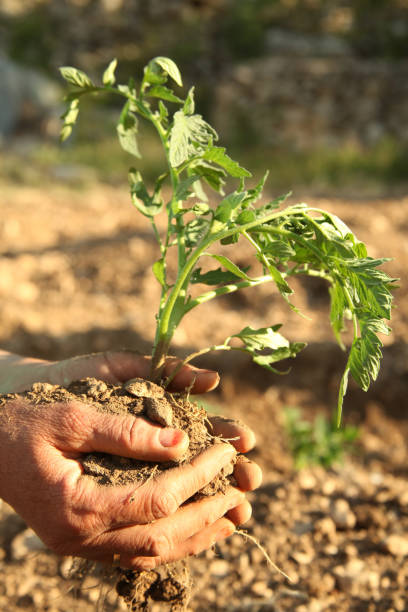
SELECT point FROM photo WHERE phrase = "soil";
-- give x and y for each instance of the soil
(75, 277)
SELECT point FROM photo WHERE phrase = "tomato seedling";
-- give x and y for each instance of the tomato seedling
(287, 241)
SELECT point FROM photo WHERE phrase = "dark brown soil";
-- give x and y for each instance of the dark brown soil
(76, 278)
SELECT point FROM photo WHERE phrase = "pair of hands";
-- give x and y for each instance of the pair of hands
(146, 525)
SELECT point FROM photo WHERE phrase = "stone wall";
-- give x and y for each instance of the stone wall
(314, 101)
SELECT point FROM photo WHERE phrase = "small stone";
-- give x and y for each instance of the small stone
(396, 545)
(260, 588)
(159, 411)
(307, 481)
(66, 568)
(303, 558)
(143, 388)
(219, 568)
(326, 526)
(25, 543)
(342, 515)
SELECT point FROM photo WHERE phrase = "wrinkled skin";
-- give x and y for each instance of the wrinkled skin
(146, 525)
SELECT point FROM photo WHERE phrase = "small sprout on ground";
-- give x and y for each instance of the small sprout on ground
(319, 442)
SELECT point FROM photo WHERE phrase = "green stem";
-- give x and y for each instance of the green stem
(215, 347)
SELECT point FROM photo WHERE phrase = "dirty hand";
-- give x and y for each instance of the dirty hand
(41, 477)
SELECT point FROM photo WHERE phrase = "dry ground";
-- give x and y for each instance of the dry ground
(75, 277)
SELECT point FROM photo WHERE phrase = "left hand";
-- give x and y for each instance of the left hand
(19, 373)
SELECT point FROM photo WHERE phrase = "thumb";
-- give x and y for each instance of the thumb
(126, 436)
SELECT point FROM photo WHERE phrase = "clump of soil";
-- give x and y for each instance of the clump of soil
(170, 583)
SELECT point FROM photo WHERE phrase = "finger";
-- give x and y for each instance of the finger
(247, 474)
(162, 537)
(82, 429)
(190, 377)
(240, 514)
(201, 541)
(110, 366)
(241, 436)
(120, 366)
(161, 496)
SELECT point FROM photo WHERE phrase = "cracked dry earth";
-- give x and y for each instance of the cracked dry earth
(75, 277)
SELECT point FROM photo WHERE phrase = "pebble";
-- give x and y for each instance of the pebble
(220, 568)
(397, 545)
(25, 543)
(342, 515)
(261, 589)
(307, 481)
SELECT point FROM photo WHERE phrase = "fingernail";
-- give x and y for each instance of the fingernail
(171, 437)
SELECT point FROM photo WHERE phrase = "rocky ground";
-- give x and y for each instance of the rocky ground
(75, 277)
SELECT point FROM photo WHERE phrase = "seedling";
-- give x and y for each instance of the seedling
(287, 241)
(319, 442)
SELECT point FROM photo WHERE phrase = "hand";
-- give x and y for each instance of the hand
(40, 475)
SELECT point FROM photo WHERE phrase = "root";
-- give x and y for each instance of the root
(246, 535)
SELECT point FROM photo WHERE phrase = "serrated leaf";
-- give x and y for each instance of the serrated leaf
(214, 277)
(337, 310)
(195, 230)
(170, 68)
(127, 130)
(163, 112)
(215, 177)
(190, 134)
(108, 77)
(226, 208)
(189, 104)
(280, 249)
(230, 266)
(219, 156)
(164, 93)
(267, 345)
(201, 208)
(158, 271)
(183, 188)
(70, 116)
(148, 205)
(76, 77)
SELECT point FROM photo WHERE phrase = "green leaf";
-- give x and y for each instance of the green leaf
(148, 205)
(108, 77)
(159, 91)
(338, 308)
(201, 208)
(230, 266)
(195, 230)
(170, 68)
(76, 77)
(190, 134)
(214, 277)
(159, 272)
(267, 345)
(70, 116)
(211, 174)
(280, 249)
(183, 188)
(219, 156)
(365, 354)
(225, 209)
(189, 104)
(127, 130)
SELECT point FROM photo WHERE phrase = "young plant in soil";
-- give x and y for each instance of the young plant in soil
(287, 242)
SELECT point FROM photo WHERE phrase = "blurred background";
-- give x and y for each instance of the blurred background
(316, 91)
